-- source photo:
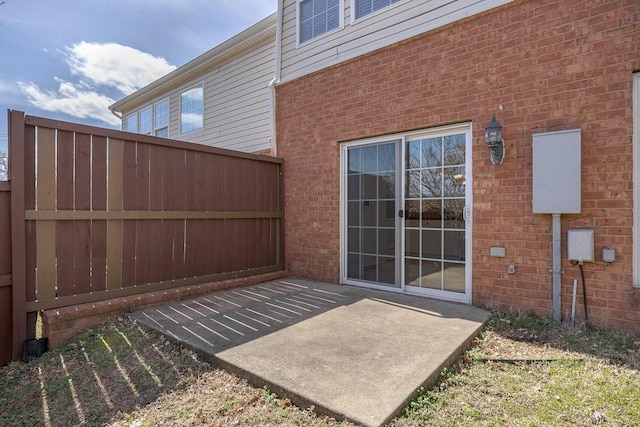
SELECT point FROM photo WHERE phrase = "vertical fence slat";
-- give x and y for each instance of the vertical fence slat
(64, 192)
(29, 167)
(214, 181)
(142, 251)
(45, 200)
(82, 256)
(98, 255)
(98, 203)
(142, 202)
(82, 185)
(30, 259)
(82, 201)
(64, 183)
(197, 246)
(157, 177)
(5, 230)
(64, 252)
(115, 202)
(156, 260)
(179, 236)
(114, 254)
(165, 235)
(30, 226)
(216, 230)
(163, 198)
(46, 169)
(191, 234)
(142, 177)
(99, 173)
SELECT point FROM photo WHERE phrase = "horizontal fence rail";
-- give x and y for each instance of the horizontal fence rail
(110, 213)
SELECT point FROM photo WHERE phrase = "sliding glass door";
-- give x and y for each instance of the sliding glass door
(406, 213)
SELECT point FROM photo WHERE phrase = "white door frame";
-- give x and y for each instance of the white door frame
(465, 128)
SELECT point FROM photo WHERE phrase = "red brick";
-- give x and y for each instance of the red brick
(553, 65)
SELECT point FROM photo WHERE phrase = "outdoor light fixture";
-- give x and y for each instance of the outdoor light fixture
(493, 138)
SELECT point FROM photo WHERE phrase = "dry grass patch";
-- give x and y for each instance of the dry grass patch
(123, 374)
(528, 371)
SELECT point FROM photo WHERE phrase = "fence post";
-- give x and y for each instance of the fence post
(18, 245)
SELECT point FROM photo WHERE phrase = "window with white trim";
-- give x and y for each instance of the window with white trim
(366, 7)
(317, 17)
(192, 109)
(161, 118)
(131, 123)
(145, 121)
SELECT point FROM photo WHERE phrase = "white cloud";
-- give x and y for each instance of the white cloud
(100, 68)
(72, 100)
(113, 65)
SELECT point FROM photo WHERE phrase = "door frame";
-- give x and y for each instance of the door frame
(465, 128)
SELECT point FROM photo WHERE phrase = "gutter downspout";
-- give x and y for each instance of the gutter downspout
(276, 78)
(117, 115)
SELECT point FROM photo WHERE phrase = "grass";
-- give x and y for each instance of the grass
(528, 371)
(522, 371)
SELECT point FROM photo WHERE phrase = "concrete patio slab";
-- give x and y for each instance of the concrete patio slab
(351, 352)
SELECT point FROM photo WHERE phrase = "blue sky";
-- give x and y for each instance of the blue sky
(70, 59)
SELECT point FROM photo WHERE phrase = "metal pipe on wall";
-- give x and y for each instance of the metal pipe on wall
(556, 266)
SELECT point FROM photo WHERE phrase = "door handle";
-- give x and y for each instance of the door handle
(401, 213)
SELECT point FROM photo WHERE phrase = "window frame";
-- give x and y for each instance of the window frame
(125, 124)
(182, 92)
(354, 20)
(148, 108)
(340, 26)
(155, 117)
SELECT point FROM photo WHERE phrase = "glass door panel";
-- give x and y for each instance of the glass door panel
(435, 198)
(371, 214)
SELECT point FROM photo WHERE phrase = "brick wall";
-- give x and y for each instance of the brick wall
(551, 65)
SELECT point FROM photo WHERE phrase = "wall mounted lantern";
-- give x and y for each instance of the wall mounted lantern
(493, 138)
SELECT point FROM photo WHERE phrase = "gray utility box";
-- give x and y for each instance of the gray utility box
(557, 172)
(580, 245)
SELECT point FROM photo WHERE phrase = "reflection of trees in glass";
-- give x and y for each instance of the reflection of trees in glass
(435, 169)
(4, 166)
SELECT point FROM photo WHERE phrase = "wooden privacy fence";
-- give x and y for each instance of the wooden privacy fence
(98, 214)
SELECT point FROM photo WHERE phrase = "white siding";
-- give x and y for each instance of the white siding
(395, 23)
(236, 102)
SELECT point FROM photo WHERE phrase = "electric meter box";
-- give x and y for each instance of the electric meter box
(557, 172)
(580, 245)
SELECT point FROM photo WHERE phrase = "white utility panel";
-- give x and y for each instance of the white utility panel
(580, 245)
(557, 172)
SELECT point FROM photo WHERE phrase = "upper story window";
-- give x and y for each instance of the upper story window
(366, 7)
(151, 120)
(161, 121)
(317, 17)
(131, 123)
(192, 109)
(145, 121)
